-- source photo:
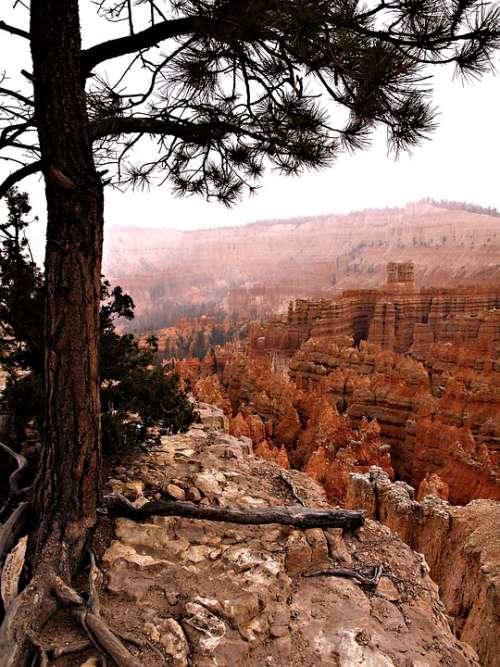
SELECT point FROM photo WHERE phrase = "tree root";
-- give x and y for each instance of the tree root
(370, 583)
(299, 517)
(89, 618)
(15, 491)
(11, 530)
(290, 483)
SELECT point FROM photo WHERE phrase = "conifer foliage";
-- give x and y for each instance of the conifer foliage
(132, 380)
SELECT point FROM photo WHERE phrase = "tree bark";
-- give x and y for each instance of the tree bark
(67, 487)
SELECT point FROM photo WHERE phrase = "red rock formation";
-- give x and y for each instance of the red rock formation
(277, 454)
(433, 485)
(446, 423)
(209, 390)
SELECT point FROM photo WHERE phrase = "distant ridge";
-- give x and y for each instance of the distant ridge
(446, 204)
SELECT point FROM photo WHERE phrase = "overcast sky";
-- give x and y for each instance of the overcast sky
(460, 162)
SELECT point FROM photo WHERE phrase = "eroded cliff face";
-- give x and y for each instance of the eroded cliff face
(305, 257)
(461, 546)
(208, 594)
(294, 427)
(396, 317)
(437, 417)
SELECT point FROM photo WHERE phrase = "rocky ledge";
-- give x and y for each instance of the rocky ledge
(212, 594)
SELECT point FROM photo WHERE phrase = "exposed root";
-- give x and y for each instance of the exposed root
(75, 647)
(23, 621)
(299, 517)
(370, 583)
(42, 657)
(21, 462)
(11, 530)
(89, 618)
(290, 483)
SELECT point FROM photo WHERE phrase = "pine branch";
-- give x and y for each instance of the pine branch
(19, 175)
(133, 43)
(13, 30)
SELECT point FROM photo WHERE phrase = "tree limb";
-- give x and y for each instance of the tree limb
(299, 517)
(18, 175)
(16, 95)
(133, 43)
(192, 132)
(13, 30)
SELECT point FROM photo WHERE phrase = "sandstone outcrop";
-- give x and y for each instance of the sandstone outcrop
(461, 546)
(208, 594)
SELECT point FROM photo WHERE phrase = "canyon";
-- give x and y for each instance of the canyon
(265, 264)
(405, 379)
(363, 353)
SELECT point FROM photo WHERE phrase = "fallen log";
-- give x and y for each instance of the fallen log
(300, 517)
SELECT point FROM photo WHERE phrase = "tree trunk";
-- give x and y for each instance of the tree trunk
(67, 486)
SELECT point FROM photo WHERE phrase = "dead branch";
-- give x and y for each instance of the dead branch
(366, 582)
(290, 483)
(299, 517)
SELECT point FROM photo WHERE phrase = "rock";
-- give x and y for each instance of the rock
(298, 553)
(170, 635)
(203, 628)
(175, 492)
(337, 548)
(278, 631)
(207, 483)
(319, 546)
(193, 494)
(387, 590)
(198, 553)
(461, 546)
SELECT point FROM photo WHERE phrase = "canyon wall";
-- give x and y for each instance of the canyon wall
(397, 317)
(304, 257)
(461, 546)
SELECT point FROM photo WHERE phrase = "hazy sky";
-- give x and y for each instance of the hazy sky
(461, 161)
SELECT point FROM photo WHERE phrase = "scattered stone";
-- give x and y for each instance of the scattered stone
(298, 553)
(170, 635)
(207, 483)
(203, 628)
(193, 494)
(175, 492)
(319, 546)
